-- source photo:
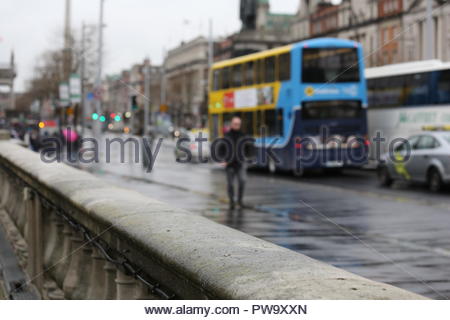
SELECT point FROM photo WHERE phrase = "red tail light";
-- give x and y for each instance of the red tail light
(298, 144)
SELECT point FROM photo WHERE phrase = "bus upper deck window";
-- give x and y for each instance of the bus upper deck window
(226, 78)
(285, 67)
(237, 76)
(216, 80)
(269, 69)
(259, 66)
(249, 73)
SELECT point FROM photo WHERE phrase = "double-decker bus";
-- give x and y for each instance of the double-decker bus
(404, 98)
(296, 93)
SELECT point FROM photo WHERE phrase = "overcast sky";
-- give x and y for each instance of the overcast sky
(135, 28)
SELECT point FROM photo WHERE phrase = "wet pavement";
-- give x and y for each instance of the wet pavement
(398, 235)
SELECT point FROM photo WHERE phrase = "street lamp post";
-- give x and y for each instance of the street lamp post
(98, 80)
(147, 96)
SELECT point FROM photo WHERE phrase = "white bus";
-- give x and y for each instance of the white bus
(404, 98)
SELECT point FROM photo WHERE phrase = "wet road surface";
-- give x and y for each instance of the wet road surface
(398, 235)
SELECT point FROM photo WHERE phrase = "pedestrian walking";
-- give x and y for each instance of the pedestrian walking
(236, 168)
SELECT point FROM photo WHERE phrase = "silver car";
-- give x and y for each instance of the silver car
(423, 158)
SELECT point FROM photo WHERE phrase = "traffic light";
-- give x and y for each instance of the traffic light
(117, 118)
(134, 104)
(95, 116)
(102, 119)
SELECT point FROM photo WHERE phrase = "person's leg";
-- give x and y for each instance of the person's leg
(230, 182)
(242, 179)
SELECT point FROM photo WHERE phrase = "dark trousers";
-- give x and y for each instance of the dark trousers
(239, 172)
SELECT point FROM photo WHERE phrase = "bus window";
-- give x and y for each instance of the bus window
(373, 93)
(417, 89)
(259, 122)
(226, 77)
(273, 121)
(259, 66)
(269, 69)
(249, 73)
(443, 95)
(285, 67)
(216, 80)
(393, 93)
(330, 65)
(247, 123)
(237, 76)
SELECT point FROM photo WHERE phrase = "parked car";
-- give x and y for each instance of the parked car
(423, 158)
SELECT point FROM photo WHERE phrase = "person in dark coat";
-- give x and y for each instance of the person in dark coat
(236, 168)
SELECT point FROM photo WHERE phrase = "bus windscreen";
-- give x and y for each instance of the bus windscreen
(330, 65)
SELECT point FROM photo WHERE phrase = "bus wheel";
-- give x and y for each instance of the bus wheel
(434, 180)
(271, 166)
(298, 172)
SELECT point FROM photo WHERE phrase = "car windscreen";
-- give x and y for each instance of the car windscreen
(330, 65)
(446, 137)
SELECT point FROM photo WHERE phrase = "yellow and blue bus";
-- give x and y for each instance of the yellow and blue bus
(310, 97)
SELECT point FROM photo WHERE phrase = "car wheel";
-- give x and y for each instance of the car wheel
(384, 177)
(434, 180)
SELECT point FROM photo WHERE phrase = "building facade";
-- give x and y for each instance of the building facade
(125, 92)
(391, 31)
(7, 76)
(186, 80)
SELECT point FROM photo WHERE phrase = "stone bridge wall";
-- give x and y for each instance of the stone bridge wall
(79, 237)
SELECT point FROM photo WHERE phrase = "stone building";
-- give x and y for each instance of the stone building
(391, 31)
(7, 76)
(186, 80)
(125, 92)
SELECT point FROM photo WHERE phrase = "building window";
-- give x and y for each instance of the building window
(389, 7)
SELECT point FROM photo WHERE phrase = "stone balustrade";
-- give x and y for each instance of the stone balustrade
(79, 237)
